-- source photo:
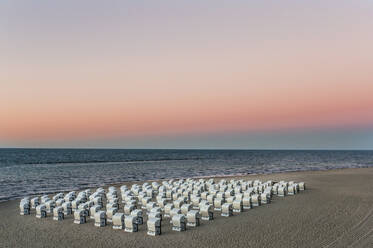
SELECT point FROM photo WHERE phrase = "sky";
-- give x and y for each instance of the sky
(187, 74)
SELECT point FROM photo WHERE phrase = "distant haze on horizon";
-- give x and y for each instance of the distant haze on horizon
(187, 74)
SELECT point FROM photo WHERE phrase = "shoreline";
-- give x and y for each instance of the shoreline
(239, 175)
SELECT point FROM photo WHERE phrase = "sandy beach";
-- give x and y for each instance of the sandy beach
(336, 210)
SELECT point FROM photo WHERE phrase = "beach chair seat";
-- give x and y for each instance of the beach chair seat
(24, 207)
(139, 217)
(255, 200)
(128, 208)
(118, 221)
(246, 203)
(275, 189)
(100, 218)
(110, 213)
(130, 224)
(67, 210)
(112, 205)
(237, 206)
(41, 211)
(58, 213)
(185, 208)
(154, 226)
(193, 218)
(167, 209)
(206, 212)
(178, 223)
(93, 210)
(80, 216)
(226, 210)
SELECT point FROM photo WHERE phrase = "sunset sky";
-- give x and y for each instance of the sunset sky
(187, 74)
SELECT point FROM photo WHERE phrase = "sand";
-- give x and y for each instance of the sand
(336, 210)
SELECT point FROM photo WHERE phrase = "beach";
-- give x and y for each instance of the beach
(336, 210)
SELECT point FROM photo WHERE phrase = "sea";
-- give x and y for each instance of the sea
(25, 172)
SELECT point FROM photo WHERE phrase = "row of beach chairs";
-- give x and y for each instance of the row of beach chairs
(183, 202)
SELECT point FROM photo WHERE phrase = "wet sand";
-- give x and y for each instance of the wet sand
(336, 210)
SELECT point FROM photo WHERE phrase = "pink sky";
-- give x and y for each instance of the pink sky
(183, 69)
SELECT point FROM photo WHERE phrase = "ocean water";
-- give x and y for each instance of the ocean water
(35, 171)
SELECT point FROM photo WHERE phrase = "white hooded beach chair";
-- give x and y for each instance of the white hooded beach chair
(93, 210)
(173, 212)
(246, 203)
(50, 206)
(80, 216)
(237, 206)
(178, 223)
(58, 196)
(67, 210)
(58, 213)
(193, 218)
(204, 195)
(178, 203)
(130, 224)
(302, 186)
(255, 200)
(118, 221)
(41, 211)
(34, 202)
(145, 201)
(206, 212)
(154, 226)
(59, 202)
(167, 209)
(282, 191)
(210, 199)
(196, 200)
(265, 198)
(24, 207)
(128, 208)
(112, 205)
(84, 206)
(218, 203)
(162, 203)
(100, 218)
(110, 213)
(185, 208)
(150, 206)
(75, 204)
(226, 210)
(44, 198)
(138, 214)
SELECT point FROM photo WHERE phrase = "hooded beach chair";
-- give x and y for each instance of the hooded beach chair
(110, 213)
(237, 206)
(41, 211)
(24, 207)
(138, 214)
(154, 226)
(80, 216)
(178, 223)
(130, 224)
(246, 203)
(58, 213)
(193, 218)
(100, 218)
(206, 212)
(226, 210)
(93, 210)
(255, 200)
(118, 221)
